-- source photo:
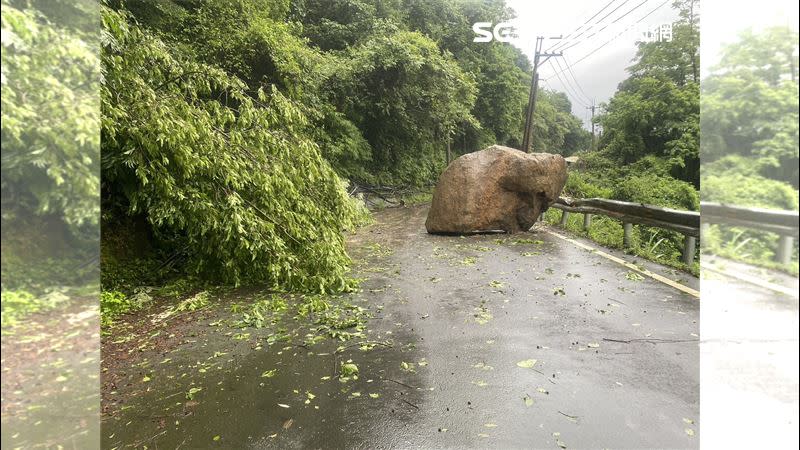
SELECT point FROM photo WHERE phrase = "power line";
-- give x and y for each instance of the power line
(587, 21)
(575, 85)
(574, 78)
(613, 11)
(607, 25)
(619, 34)
(568, 87)
(571, 94)
(596, 23)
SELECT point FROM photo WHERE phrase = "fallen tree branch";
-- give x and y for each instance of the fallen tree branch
(651, 340)
(569, 416)
(408, 403)
(398, 382)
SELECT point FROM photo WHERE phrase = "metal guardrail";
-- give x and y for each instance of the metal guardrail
(782, 223)
(688, 223)
(684, 222)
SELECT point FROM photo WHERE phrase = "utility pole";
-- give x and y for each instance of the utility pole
(527, 137)
(592, 108)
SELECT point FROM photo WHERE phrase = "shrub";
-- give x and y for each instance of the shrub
(583, 185)
(747, 189)
(112, 305)
(657, 190)
(227, 171)
(17, 304)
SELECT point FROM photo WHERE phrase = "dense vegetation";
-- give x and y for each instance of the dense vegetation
(750, 137)
(649, 148)
(232, 130)
(51, 153)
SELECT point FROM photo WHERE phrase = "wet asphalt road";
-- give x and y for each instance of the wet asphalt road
(616, 358)
(749, 360)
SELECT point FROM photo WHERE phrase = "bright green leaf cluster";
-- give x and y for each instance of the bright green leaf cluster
(226, 169)
(50, 118)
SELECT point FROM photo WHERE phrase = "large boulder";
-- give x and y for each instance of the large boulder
(498, 188)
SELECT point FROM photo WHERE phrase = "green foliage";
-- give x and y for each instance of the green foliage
(750, 246)
(385, 85)
(339, 24)
(733, 180)
(40, 254)
(556, 130)
(656, 111)
(750, 104)
(679, 59)
(582, 185)
(750, 139)
(649, 151)
(333, 317)
(262, 311)
(652, 189)
(232, 174)
(42, 275)
(250, 39)
(112, 305)
(126, 273)
(50, 117)
(734, 188)
(411, 98)
(646, 181)
(18, 304)
(348, 370)
(224, 122)
(193, 303)
(655, 116)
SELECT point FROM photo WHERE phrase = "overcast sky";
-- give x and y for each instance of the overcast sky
(597, 76)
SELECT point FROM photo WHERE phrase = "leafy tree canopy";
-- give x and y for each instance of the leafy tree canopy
(656, 111)
(750, 104)
(225, 172)
(50, 144)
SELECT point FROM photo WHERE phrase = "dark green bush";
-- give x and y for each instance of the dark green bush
(748, 189)
(657, 190)
(584, 185)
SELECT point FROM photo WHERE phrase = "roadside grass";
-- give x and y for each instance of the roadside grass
(752, 247)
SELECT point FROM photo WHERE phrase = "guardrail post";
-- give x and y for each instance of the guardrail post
(704, 227)
(785, 247)
(564, 216)
(587, 221)
(689, 244)
(627, 235)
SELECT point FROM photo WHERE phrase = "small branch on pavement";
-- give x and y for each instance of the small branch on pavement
(567, 415)
(398, 382)
(651, 340)
(409, 403)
